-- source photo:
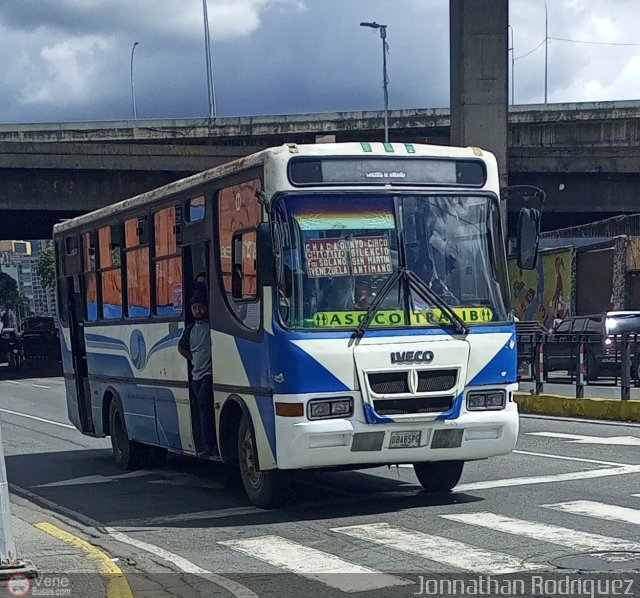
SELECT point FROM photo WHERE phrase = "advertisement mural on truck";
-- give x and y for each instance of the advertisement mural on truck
(542, 294)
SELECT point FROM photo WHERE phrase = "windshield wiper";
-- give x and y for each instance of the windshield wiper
(415, 283)
(428, 295)
(398, 274)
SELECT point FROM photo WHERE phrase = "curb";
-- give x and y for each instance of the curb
(546, 404)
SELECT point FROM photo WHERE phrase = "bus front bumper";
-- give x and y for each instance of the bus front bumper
(347, 442)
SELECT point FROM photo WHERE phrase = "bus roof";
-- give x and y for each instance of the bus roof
(354, 149)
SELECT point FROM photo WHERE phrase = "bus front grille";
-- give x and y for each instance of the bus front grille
(397, 383)
(436, 380)
(389, 383)
(411, 406)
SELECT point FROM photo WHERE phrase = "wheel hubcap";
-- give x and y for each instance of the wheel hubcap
(248, 458)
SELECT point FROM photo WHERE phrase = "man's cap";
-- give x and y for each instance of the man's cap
(198, 297)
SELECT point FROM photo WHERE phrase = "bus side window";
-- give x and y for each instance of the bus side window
(138, 282)
(110, 274)
(168, 263)
(89, 282)
(239, 210)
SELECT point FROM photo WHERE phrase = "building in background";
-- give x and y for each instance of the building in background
(18, 259)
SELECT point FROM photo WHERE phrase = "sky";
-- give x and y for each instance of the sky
(70, 60)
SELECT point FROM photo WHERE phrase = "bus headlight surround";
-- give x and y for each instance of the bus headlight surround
(330, 408)
(491, 400)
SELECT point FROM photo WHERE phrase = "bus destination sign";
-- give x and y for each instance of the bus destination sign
(357, 256)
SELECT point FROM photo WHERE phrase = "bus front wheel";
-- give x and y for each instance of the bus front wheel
(266, 489)
(127, 453)
(438, 476)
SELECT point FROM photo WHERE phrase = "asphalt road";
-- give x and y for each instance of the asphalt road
(570, 487)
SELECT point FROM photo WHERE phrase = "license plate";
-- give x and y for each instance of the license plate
(405, 439)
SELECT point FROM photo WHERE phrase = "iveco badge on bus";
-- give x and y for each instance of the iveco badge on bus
(411, 356)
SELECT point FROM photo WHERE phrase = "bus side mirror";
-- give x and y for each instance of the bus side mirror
(528, 238)
(264, 248)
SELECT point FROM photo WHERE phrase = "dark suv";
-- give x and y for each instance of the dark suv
(41, 341)
(601, 334)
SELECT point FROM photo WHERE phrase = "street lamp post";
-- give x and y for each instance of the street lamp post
(211, 92)
(133, 90)
(546, 49)
(385, 79)
(513, 68)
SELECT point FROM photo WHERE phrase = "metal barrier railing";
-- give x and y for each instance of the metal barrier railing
(580, 360)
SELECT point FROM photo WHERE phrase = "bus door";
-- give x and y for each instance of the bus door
(196, 243)
(79, 354)
(69, 266)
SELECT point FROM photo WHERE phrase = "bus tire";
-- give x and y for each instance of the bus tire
(438, 476)
(128, 454)
(266, 489)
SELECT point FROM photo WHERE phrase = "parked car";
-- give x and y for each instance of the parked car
(6, 338)
(601, 334)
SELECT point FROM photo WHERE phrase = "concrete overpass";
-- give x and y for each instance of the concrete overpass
(585, 156)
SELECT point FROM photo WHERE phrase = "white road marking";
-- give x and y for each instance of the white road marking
(40, 386)
(598, 510)
(563, 457)
(581, 439)
(185, 565)
(96, 479)
(40, 419)
(182, 517)
(11, 382)
(438, 549)
(543, 532)
(314, 564)
(547, 479)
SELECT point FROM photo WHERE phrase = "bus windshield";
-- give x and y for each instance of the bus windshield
(335, 252)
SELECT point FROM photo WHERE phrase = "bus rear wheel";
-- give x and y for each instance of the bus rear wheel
(128, 454)
(438, 476)
(266, 489)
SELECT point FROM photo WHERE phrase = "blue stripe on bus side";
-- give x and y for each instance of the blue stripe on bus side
(142, 404)
(268, 417)
(300, 372)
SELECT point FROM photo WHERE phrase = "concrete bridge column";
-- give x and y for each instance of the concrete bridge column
(479, 76)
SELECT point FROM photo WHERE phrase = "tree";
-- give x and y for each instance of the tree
(46, 268)
(9, 295)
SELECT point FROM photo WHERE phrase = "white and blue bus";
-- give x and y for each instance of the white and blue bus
(358, 299)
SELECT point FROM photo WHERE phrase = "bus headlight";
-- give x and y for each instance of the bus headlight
(327, 408)
(491, 400)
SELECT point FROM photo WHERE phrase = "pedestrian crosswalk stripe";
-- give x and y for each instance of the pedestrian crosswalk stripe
(550, 478)
(314, 564)
(554, 534)
(598, 510)
(438, 549)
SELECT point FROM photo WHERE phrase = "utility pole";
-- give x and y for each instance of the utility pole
(546, 49)
(11, 566)
(211, 92)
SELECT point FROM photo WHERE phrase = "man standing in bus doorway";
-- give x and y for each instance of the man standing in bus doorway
(195, 346)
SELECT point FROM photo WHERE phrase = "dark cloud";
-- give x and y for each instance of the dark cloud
(70, 59)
